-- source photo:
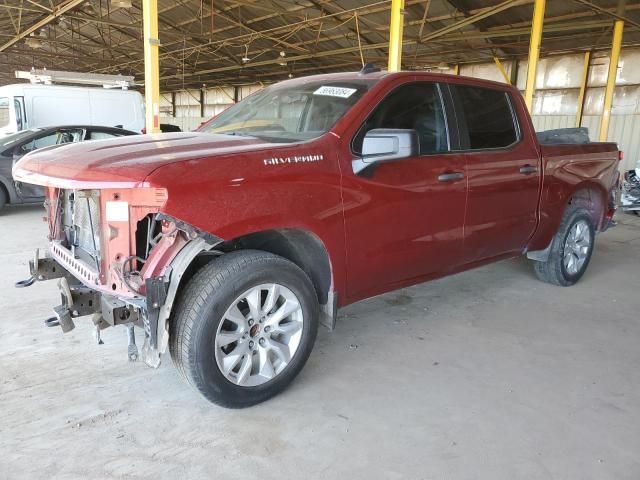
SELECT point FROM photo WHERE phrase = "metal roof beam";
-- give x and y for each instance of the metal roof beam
(484, 13)
(56, 12)
(497, 32)
(327, 53)
(608, 12)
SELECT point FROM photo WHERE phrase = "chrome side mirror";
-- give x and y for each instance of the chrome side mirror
(386, 144)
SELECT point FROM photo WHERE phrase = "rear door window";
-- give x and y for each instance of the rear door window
(487, 118)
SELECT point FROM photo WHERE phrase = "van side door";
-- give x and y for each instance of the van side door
(503, 172)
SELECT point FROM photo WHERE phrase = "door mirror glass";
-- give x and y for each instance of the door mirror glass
(386, 144)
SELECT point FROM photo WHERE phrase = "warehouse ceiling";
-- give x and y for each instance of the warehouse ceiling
(214, 42)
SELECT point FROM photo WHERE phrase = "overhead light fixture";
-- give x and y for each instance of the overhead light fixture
(246, 58)
(443, 66)
(121, 3)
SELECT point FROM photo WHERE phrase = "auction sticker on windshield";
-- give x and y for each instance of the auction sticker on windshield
(342, 92)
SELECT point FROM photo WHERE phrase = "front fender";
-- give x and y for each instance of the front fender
(232, 197)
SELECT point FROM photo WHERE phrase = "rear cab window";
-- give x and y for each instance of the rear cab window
(486, 118)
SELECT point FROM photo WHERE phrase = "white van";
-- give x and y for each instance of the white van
(28, 105)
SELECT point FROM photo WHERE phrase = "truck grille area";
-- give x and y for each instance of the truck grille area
(68, 261)
(81, 224)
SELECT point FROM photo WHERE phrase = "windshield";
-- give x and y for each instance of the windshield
(282, 113)
(8, 139)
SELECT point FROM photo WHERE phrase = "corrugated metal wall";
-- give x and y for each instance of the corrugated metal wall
(188, 107)
(624, 130)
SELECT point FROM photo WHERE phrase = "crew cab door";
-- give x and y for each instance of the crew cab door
(404, 218)
(503, 172)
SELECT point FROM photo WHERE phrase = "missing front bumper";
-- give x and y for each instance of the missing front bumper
(79, 300)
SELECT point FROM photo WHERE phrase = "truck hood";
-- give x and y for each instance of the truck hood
(124, 162)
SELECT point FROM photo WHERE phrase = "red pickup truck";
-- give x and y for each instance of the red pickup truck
(230, 244)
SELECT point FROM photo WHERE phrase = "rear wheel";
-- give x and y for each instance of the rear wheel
(244, 327)
(3, 198)
(571, 250)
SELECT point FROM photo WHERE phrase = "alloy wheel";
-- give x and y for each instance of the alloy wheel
(259, 334)
(576, 247)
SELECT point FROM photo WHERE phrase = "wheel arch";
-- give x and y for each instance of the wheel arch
(588, 195)
(593, 198)
(301, 247)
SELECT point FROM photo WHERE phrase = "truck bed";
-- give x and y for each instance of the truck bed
(564, 167)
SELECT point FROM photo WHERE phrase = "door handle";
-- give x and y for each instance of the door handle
(528, 169)
(451, 177)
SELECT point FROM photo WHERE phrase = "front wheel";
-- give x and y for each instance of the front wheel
(571, 250)
(244, 327)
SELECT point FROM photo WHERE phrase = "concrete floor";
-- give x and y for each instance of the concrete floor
(489, 374)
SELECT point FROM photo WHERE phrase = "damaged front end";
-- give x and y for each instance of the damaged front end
(117, 259)
(630, 197)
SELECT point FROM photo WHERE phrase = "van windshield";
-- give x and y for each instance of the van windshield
(5, 117)
(284, 113)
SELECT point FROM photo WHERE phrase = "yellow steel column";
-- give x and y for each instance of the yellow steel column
(583, 87)
(534, 51)
(456, 69)
(503, 71)
(611, 79)
(395, 35)
(151, 65)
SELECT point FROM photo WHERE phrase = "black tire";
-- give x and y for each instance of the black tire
(3, 197)
(553, 270)
(200, 310)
